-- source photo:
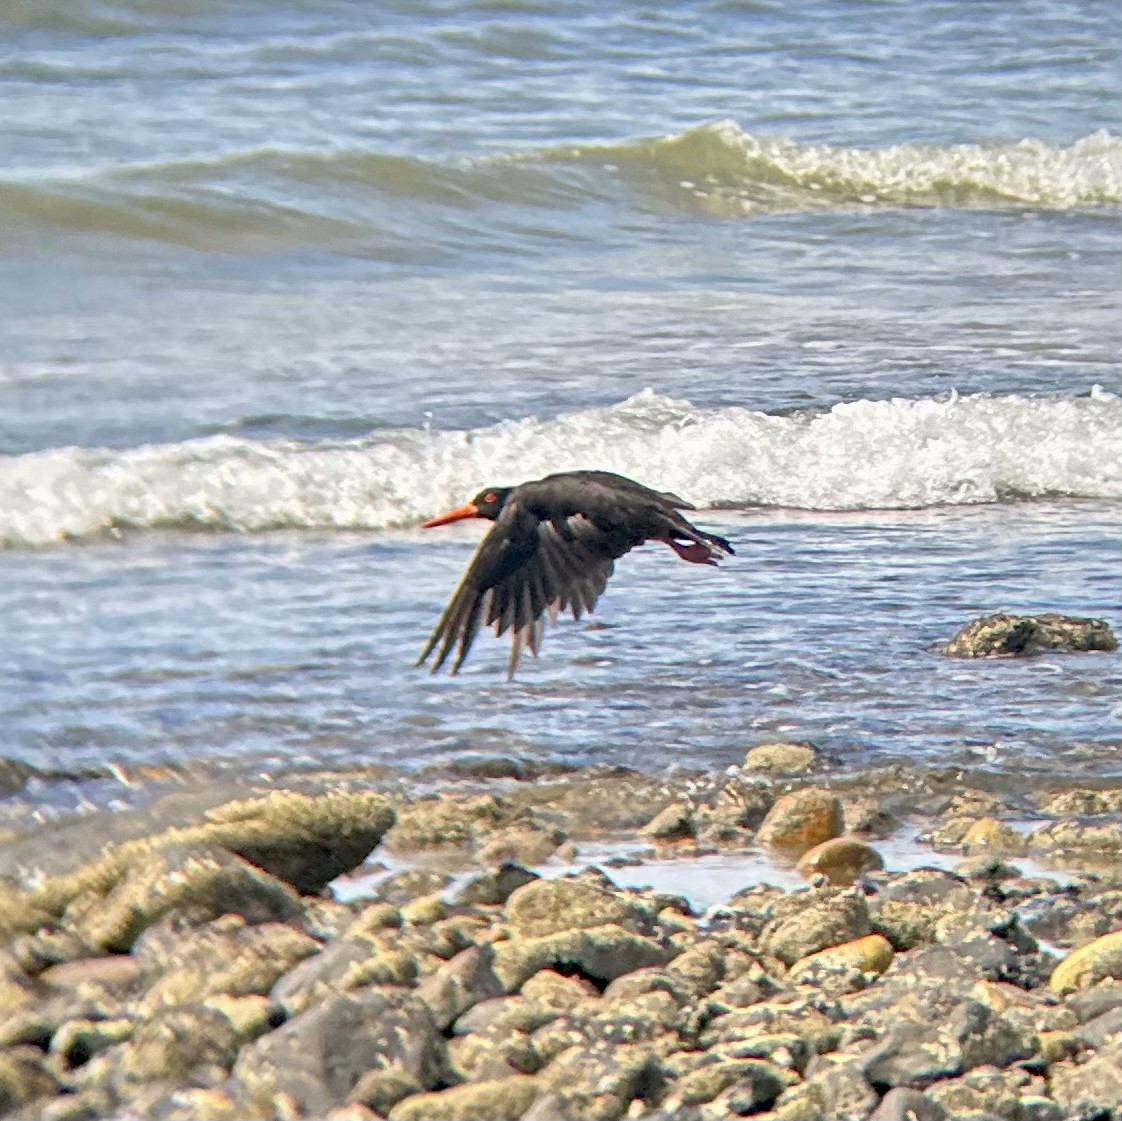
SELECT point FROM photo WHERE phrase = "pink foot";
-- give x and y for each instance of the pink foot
(693, 552)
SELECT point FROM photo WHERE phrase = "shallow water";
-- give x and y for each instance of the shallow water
(280, 280)
(299, 649)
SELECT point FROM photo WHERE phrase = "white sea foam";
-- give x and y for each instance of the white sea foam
(864, 454)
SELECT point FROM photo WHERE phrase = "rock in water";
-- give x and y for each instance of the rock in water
(1022, 636)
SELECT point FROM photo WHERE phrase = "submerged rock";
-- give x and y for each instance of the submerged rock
(1008, 636)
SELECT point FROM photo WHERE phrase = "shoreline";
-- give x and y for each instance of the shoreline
(771, 941)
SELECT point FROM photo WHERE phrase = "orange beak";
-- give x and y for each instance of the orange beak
(468, 511)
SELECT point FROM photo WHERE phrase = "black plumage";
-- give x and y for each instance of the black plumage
(552, 549)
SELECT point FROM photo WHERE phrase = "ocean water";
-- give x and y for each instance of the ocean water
(280, 280)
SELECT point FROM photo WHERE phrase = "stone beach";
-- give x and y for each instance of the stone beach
(362, 946)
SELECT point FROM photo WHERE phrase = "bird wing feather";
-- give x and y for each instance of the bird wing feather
(521, 572)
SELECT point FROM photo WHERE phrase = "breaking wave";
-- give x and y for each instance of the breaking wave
(900, 453)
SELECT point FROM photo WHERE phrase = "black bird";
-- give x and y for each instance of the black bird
(552, 549)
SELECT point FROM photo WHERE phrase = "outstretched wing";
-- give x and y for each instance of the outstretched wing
(523, 570)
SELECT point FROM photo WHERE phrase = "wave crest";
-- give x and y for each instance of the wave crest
(721, 168)
(901, 453)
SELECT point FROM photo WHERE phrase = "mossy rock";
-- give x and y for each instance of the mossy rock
(1022, 636)
(501, 1099)
(305, 840)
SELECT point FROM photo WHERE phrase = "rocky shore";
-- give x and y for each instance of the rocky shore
(210, 957)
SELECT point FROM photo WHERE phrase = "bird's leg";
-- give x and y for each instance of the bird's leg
(695, 552)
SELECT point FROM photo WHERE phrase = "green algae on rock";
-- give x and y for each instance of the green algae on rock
(1022, 636)
(302, 839)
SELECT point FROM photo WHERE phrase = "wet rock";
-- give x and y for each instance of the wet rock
(1066, 921)
(781, 758)
(347, 963)
(1089, 964)
(601, 954)
(495, 886)
(802, 819)
(986, 870)
(549, 906)
(674, 823)
(24, 1078)
(871, 954)
(735, 813)
(996, 636)
(318, 1057)
(445, 821)
(1091, 1088)
(987, 834)
(404, 887)
(13, 776)
(804, 922)
(505, 1099)
(868, 817)
(1092, 838)
(229, 957)
(1080, 802)
(841, 860)
(524, 842)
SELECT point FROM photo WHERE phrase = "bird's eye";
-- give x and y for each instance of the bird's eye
(491, 497)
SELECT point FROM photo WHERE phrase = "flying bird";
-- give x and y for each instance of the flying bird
(551, 550)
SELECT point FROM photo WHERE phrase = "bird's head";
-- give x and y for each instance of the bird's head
(488, 503)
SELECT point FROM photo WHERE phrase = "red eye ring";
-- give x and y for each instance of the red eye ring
(491, 497)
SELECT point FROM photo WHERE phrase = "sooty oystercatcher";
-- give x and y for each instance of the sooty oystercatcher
(552, 549)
